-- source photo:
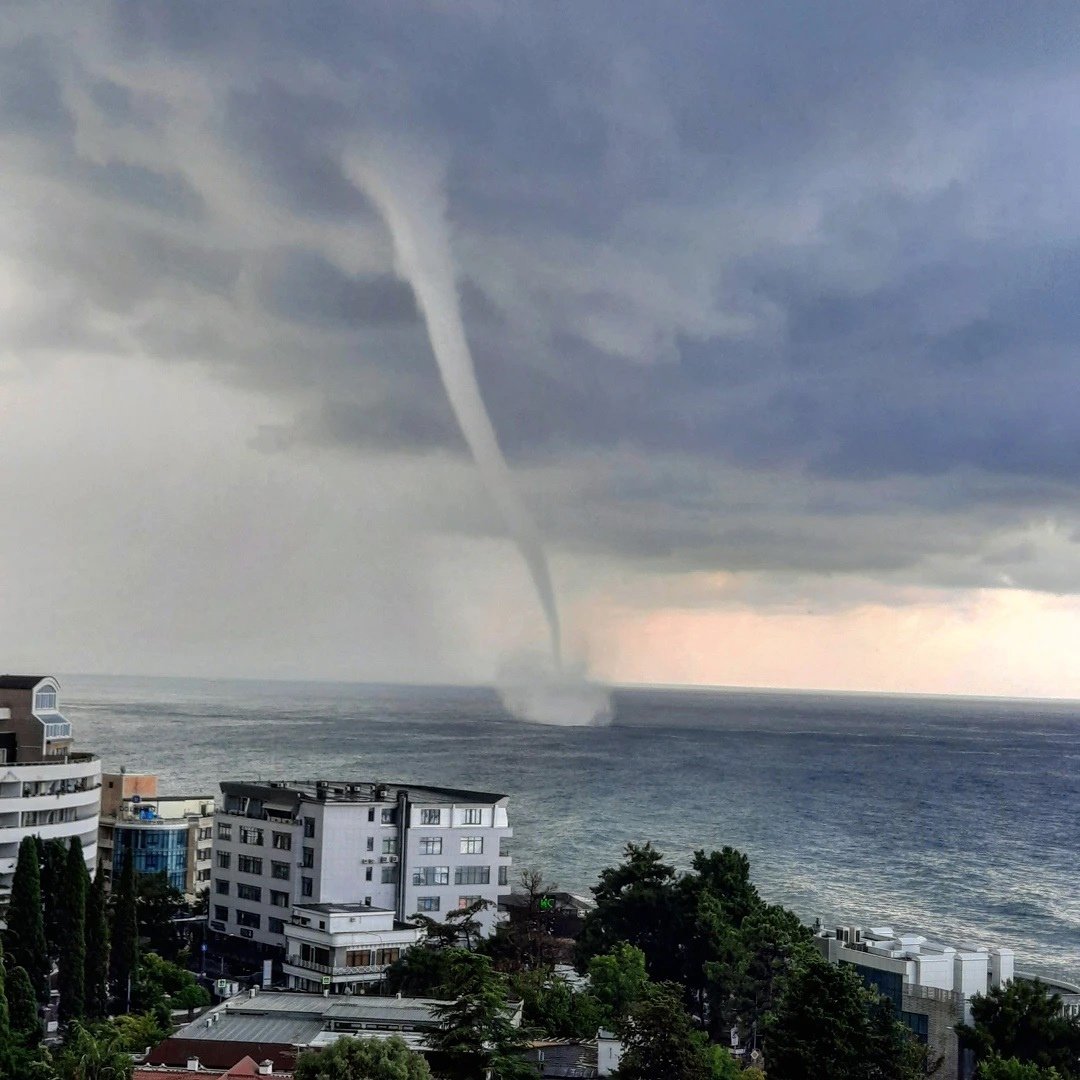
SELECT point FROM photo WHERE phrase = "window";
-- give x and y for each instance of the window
(309, 826)
(389, 875)
(248, 864)
(389, 815)
(283, 841)
(203, 854)
(221, 887)
(430, 845)
(275, 926)
(368, 872)
(279, 870)
(371, 814)
(279, 899)
(248, 918)
(306, 886)
(45, 700)
(472, 875)
(430, 817)
(224, 830)
(472, 817)
(467, 901)
(250, 835)
(248, 892)
(431, 875)
(472, 845)
(504, 875)
(223, 859)
(367, 901)
(389, 845)
(427, 903)
(221, 913)
(371, 843)
(203, 875)
(359, 957)
(204, 834)
(309, 857)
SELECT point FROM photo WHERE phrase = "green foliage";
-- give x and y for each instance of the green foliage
(476, 1033)
(1023, 1021)
(659, 1040)
(363, 1059)
(424, 972)
(553, 1008)
(617, 980)
(157, 904)
(827, 1024)
(998, 1068)
(160, 983)
(137, 1031)
(72, 959)
(96, 989)
(53, 884)
(124, 955)
(23, 1015)
(24, 938)
(90, 1054)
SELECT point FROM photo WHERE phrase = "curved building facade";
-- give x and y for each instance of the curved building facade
(46, 788)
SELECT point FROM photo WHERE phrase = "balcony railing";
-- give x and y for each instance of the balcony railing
(329, 969)
(59, 730)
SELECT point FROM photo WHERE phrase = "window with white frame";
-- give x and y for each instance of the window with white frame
(472, 816)
(45, 699)
(430, 845)
(472, 875)
(427, 903)
(472, 845)
(467, 901)
(430, 817)
(431, 875)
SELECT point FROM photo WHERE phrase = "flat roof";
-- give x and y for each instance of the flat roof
(343, 909)
(364, 791)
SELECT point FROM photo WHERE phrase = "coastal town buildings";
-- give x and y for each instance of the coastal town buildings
(194, 1069)
(402, 848)
(164, 833)
(929, 983)
(47, 789)
(339, 947)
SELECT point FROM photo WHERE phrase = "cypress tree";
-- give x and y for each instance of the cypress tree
(25, 937)
(53, 883)
(97, 950)
(5, 1024)
(23, 1007)
(125, 936)
(72, 964)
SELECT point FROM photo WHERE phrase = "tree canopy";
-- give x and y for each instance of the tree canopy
(363, 1059)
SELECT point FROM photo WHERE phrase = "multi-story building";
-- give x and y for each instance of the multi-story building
(340, 947)
(46, 788)
(400, 847)
(170, 833)
(930, 984)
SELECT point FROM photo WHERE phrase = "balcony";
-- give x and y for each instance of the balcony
(327, 969)
(58, 730)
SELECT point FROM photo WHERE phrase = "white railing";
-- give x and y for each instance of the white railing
(61, 730)
(328, 969)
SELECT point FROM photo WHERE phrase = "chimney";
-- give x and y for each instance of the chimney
(266, 1068)
(193, 1064)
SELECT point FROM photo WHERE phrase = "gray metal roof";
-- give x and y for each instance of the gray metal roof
(272, 1028)
(363, 791)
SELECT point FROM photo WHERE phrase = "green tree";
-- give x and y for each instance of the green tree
(363, 1059)
(7, 1041)
(124, 956)
(72, 961)
(23, 1014)
(826, 1023)
(96, 985)
(423, 972)
(998, 1068)
(91, 1055)
(617, 980)
(553, 1008)
(660, 1041)
(53, 884)
(1022, 1020)
(636, 902)
(157, 905)
(137, 1031)
(25, 935)
(160, 983)
(476, 1033)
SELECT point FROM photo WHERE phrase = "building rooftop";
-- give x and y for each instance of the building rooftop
(353, 791)
(343, 909)
(20, 682)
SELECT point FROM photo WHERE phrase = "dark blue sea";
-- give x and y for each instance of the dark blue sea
(955, 817)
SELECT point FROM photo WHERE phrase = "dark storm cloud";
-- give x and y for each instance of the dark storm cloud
(838, 246)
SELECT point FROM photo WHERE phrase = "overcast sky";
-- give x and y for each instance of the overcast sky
(775, 308)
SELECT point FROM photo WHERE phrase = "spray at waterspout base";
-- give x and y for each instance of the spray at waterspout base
(541, 692)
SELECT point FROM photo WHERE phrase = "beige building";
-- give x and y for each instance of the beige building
(169, 833)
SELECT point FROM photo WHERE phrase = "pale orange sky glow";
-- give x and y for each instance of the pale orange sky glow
(987, 642)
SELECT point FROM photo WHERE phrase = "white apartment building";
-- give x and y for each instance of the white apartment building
(339, 947)
(401, 847)
(930, 984)
(46, 789)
